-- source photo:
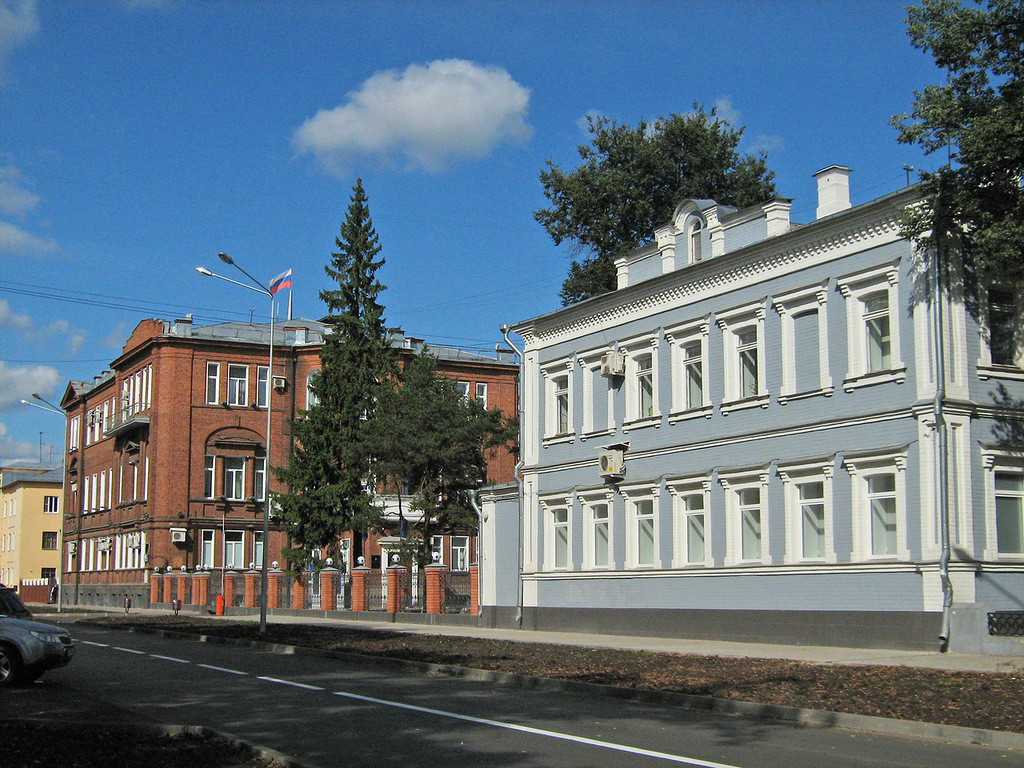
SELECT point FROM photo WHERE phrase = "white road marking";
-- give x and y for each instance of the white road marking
(128, 650)
(98, 645)
(222, 669)
(289, 682)
(169, 658)
(541, 732)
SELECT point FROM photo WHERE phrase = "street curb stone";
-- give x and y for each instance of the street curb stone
(953, 734)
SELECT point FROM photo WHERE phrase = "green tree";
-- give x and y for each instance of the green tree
(329, 490)
(631, 179)
(976, 119)
(431, 442)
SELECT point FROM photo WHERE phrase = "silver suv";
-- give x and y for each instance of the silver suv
(28, 648)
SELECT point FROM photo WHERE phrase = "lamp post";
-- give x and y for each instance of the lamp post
(51, 408)
(259, 288)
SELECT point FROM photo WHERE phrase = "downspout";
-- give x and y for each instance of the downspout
(475, 503)
(518, 468)
(941, 436)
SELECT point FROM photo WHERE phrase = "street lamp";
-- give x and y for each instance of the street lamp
(51, 408)
(259, 288)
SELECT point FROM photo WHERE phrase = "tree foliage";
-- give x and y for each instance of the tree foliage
(977, 117)
(631, 179)
(329, 465)
(431, 441)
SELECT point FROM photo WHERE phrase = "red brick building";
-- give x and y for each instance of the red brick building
(167, 452)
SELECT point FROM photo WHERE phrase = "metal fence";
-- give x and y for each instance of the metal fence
(238, 585)
(1006, 623)
(344, 601)
(456, 591)
(312, 600)
(412, 592)
(376, 591)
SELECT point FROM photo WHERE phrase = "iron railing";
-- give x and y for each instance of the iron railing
(1006, 623)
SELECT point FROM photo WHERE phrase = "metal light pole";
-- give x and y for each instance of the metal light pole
(51, 408)
(259, 288)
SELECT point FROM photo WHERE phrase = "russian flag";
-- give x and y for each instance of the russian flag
(284, 280)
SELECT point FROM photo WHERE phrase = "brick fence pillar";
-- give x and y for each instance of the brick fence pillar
(200, 587)
(435, 591)
(359, 576)
(273, 588)
(155, 583)
(299, 593)
(474, 589)
(250, 589)
(182, 584)
(328, 589)
(229, 588)
(394, 579)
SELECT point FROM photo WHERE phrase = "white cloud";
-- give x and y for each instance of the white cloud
(19, 382)
(583, 122)
(15, 199)
(19, 22)
(117, 335)
(425, 117)
(765, 143)
(15, 241)
(726, 111)
(10, 319)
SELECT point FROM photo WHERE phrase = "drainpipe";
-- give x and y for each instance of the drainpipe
(518, 468)
(474, 501)
(940, 430)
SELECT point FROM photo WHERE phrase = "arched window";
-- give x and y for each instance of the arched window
(696, 227)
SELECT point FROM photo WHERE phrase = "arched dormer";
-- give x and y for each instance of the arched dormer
(235, 465)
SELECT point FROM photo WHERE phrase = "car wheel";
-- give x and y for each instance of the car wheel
(10, 666)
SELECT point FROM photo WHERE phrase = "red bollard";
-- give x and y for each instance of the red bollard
(219, 609)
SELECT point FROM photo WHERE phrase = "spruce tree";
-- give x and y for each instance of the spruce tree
(328, 477)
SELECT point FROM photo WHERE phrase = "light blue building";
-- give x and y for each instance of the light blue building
(745, 441)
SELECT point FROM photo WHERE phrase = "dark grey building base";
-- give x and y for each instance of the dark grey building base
(846, 629)
(106, 595)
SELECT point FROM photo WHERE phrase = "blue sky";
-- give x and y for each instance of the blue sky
(139, 138)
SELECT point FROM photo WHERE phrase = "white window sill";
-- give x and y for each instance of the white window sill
(823, 392)
(897, 375)
(569, 437)
(758, 401)
(601, 433)
(705, 411)
(1012, 372)
(650, 421)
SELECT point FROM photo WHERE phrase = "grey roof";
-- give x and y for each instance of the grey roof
(54, 475)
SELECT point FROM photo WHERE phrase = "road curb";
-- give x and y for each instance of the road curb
(953, 734)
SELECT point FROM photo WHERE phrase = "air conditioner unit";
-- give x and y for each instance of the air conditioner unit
(72, 547)
(103, 544)
(612, 463)
(177, 535)
(279, 383)
(613, 364)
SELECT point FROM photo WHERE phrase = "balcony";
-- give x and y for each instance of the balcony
(126, 420)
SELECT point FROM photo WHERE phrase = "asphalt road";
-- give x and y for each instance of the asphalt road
(330, 713)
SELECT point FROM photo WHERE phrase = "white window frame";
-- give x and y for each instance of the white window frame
(553, 390)
(234, 550)
(213, 383)
(209, 477)
(987, 368)
(687, 493)
(695, 227)
(996, 461)
(311, 396)
(463, 389)
(550, 505)
(789, 306)
(794, 476)
(460, 553)
(74, 425)
(856, 288)
(480, 389)
(591, 503)
(51, 508)
(595, 386)
(238, 386)
(208, 547)
(861, 469)
(636, 351)
(262, 386)
(636, 498)
(257, 549)
(735, 483)
(259, 477)
(234, 477)
(680, 339)
(733, 323)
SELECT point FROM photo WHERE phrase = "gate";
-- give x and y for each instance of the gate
(412, 592)
(455, 590)
(376, 591)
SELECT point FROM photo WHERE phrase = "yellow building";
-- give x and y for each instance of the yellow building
(31, 500)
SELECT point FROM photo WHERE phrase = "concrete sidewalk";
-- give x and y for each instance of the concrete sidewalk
(808, 653)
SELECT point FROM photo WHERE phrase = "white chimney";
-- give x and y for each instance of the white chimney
(833, 190)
